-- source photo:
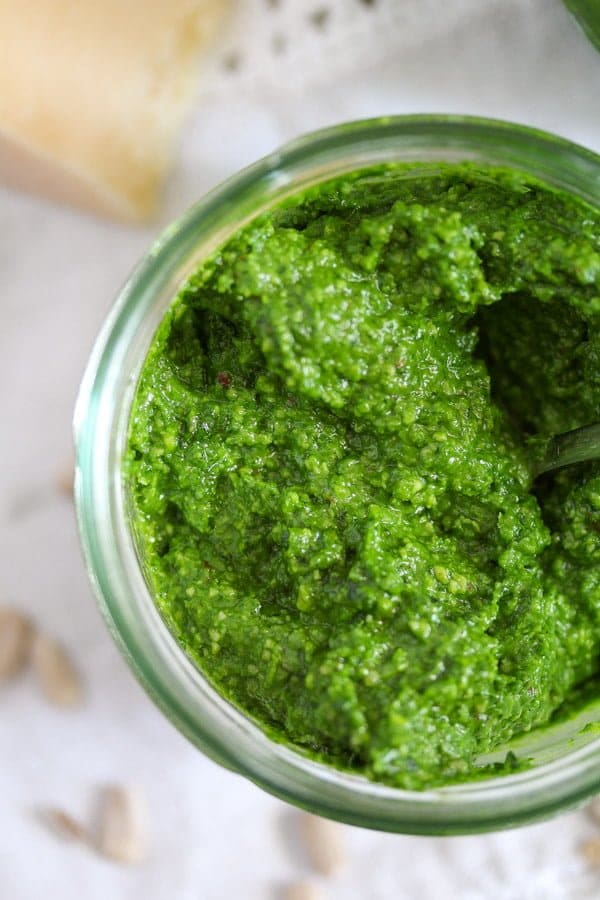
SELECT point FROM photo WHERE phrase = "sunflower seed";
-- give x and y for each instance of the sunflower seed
(591, 851)
(303, 890)
(63, 825)
(323, 842)
(15, 641)
(121, 825)
(59, 680)
(593, 810)
(64, 481)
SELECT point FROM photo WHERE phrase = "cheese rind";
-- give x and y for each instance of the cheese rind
(92, 96)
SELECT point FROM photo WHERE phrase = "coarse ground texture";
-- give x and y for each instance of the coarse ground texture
(330, 477)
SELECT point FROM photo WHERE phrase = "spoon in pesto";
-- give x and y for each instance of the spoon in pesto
(579, 445)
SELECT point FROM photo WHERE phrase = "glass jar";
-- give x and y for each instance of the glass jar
(567, 769)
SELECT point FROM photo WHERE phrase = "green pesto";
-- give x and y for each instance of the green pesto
(328, 469)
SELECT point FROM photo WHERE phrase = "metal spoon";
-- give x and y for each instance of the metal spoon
(579, 445)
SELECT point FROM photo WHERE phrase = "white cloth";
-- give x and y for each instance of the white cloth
(216, 836)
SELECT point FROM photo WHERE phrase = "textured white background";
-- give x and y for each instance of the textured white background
(216, 836)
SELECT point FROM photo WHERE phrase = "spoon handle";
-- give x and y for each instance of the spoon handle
(580, 445)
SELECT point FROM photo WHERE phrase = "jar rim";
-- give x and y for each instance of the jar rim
(101, 423)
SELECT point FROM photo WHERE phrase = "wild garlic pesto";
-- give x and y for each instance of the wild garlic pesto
(328, 468)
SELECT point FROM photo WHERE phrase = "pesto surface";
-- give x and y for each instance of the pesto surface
(329, 474)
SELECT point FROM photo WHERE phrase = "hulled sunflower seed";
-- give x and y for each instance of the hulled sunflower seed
(324, 843)
(591, 851)
(63, 825)
(15, 642)
(303, 890)
(593, 810)
(120, 832)
(59, 680)
(64, 481)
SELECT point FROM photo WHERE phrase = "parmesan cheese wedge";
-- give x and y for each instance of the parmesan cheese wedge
(92, 95)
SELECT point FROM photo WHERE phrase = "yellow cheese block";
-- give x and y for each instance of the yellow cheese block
(92, 94)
